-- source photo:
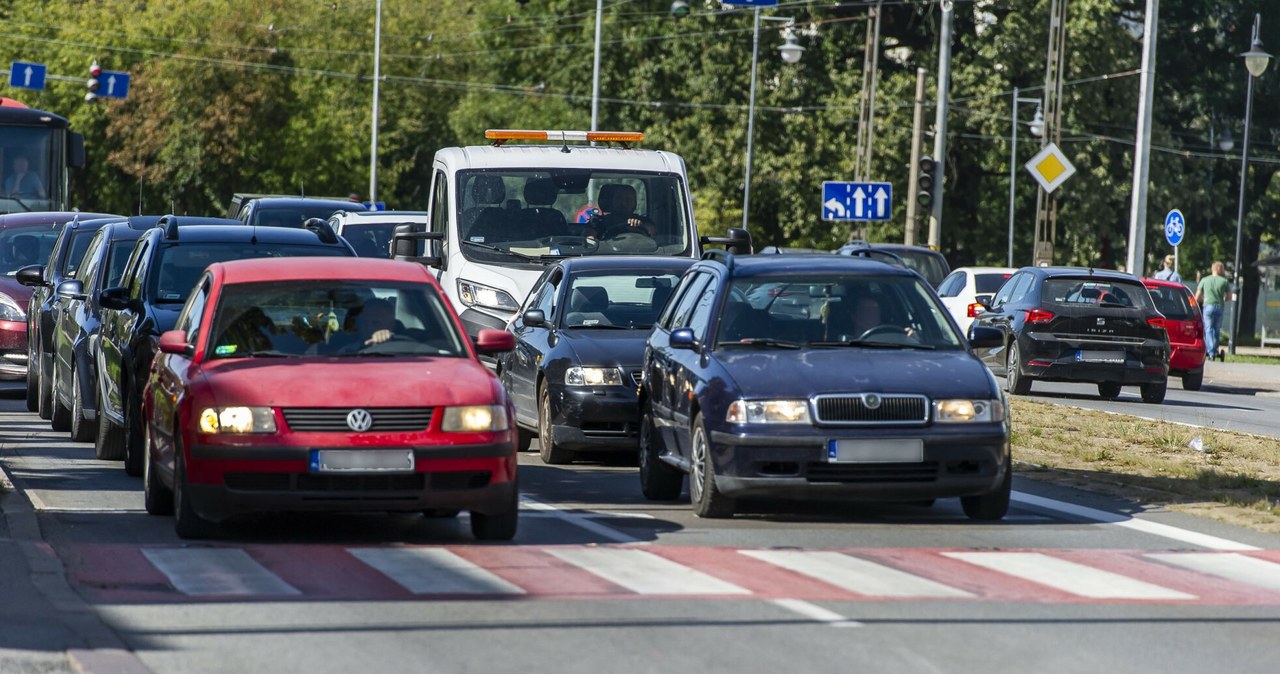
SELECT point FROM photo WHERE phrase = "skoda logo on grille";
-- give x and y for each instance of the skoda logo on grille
(871, 400)
(359, 420)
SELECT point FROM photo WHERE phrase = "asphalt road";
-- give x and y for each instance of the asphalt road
(600, 579)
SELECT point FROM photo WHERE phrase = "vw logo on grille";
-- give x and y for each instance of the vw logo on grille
(871, 400)
(359, 420)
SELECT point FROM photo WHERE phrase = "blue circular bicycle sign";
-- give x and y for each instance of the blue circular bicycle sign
(1174, 227)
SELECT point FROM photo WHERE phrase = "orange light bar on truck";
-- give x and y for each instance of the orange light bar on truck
(500, 136)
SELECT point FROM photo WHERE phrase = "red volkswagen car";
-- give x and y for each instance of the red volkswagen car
(1185, 327)
(331, 384)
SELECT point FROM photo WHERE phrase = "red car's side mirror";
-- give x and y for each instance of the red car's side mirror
(495, 341)
(175, 341)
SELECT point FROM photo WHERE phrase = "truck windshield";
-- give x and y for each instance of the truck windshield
(549, 213)
(27, 170)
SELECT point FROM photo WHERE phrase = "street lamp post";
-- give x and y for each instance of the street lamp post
(1036, 128)
(1255, 61)
(791, 53)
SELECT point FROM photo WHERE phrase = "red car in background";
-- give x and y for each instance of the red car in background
(326, 384)
(1185, 326)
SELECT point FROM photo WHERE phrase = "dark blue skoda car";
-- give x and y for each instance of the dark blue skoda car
(818, 377)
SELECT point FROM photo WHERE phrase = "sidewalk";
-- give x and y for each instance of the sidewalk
(1242, 377)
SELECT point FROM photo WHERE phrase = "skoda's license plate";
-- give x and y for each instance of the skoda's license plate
(892, 450)
(1100, 357)
(362, 460)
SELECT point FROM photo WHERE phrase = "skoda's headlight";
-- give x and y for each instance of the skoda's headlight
(10, 311)
(475, 294)
(967, 411)
(768, 412)
(237, 420)
(593, 376)
(474, 419)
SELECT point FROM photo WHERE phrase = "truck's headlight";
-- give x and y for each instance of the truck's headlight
(967, 411)
(474, 419)
(768, 412)
(476, 294)
(593, 376)
(237, 420)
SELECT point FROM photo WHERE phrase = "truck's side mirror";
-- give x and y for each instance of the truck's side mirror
(405, 244)
(75, 150)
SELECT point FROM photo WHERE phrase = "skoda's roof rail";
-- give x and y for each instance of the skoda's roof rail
(169, 224)
(322, 230)
(722, 256)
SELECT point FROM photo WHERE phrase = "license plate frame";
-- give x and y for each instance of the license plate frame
(1105, 357)
(352, 461)
(880, 450)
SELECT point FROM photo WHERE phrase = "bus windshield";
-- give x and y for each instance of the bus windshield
(27, 180)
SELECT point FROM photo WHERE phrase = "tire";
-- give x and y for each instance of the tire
(108, 443)
(703, 494)
(1109, 390)
(551, 454)
(1015, 383)
(1192, 381)
(132, 438)
(187, 523)
(497, 526)
(82, 430)
(993, 505)
(60, 417)
(658, 481)
(44, 404)
(524, 439)
(1154, 393)
(157, 498)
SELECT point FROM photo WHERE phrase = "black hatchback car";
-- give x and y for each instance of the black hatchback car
(1081, 325)
(579, 344)
(162, 269)
(818, 377)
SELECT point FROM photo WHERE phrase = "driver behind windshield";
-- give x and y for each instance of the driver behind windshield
(618, 213)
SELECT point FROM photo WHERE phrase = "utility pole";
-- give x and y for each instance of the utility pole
(867, 102)
(1136, 263)
(913, 184)
(940, 124)
(377, 75)
(595, 70)
(1046, 204)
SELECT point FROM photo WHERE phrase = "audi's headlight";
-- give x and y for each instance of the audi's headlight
(593, 376)
(237, 420)
(475, 294)
(10, 311)
(474, 419)
(768, 412)
(967, 411)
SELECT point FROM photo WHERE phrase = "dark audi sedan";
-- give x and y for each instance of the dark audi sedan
(818, 377)
(1077, 324)
(579, 344)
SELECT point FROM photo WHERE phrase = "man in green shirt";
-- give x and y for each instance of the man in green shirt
(1211, 294)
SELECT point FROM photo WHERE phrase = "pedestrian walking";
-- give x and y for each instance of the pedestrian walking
(1211, 295)
(1168, 273)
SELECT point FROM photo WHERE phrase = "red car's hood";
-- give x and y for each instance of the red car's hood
(19, 292)
(350, 382)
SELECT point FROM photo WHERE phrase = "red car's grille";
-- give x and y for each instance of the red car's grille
(334, 419)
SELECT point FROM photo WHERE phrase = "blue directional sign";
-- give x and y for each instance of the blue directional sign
(113, 84)
(1174, 227)
(750, 3)
(856, 201)
(27, 75)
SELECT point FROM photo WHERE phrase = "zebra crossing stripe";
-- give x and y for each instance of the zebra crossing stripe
(1230, 565)
(855, 574)
(433, 571)
(1060, 574)
(216, 571)
(643, 572)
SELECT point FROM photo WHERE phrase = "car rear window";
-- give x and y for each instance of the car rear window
(180, 265)
(1174, 303)
(987, 284)
(1108, 293)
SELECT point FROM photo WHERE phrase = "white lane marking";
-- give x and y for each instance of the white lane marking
(216, 571)
(577, 520)
(1078, 579)
(815, 612)
(855, 574)
(433, 571)
(643, 572)
(1230, 565)
(1145, 526)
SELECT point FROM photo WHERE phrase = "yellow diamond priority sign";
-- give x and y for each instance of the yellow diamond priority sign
(1050, 167)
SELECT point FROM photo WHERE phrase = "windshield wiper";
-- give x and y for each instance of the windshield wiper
(875, 344)
(504, 251)
(269, 353)
(763, 341)
(601, 326)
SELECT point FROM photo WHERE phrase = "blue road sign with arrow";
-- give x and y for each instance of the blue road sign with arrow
(856, 201)
(25, 75)
(113, 84)
(1175, 226)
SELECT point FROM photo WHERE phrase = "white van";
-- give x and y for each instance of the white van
(498, 214)
(370, 232)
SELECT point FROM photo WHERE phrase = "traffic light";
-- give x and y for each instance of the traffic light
(95, 71)
(925, 182)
